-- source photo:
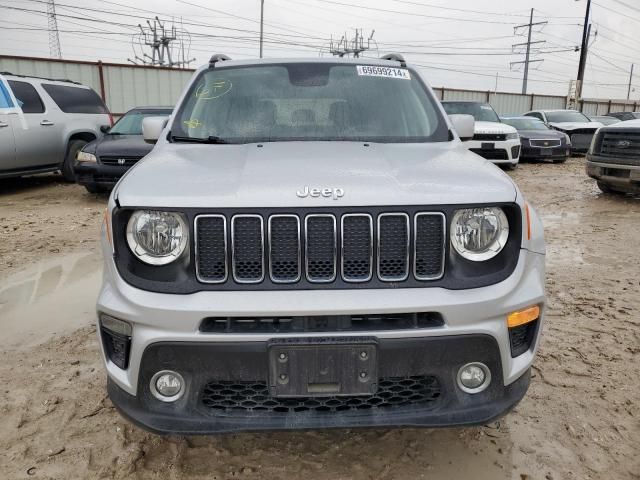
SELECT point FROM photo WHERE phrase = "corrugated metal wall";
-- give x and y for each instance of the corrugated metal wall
(128, 86)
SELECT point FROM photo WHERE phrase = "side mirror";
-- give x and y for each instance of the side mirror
(105, 128)
(152, 128)
(464, 125)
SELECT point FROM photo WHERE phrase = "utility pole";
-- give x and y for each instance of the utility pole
(54, 36)
(528, 44)
(156, 37)
(261, 24)
(586, 32)
(630, 81)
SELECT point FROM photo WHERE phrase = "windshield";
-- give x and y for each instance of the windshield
(482, 112)
(525, 123)
(566, 116)
(131, 123)
(309, 101)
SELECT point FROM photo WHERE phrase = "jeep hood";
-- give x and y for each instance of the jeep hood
(269, 175)
(571, 126)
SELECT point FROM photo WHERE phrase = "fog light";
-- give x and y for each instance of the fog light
(474, 377)
(167, 386)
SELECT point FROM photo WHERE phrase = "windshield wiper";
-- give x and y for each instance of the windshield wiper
(212, 139)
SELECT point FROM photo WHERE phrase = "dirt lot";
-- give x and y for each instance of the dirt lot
(579, 420)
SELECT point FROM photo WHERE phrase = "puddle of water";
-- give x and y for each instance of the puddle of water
(52, 297)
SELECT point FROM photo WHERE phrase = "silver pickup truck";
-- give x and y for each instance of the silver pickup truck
(45, 122)
(311, 245)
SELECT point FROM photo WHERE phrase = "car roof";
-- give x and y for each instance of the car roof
(556, 110)
(464, 101)
(151, 107)
(520, 117)
(58, 81)
(333, 60)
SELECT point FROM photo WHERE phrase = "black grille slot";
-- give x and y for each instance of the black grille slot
(247, 398)
(393, 246)
(248, 248)
(120, 161)
(357, 247)
(429, 245)
(491, 153)
(211, 237)
(492, 137)
(322, 323)
(521, 337)
(321, 248)
(284, 248)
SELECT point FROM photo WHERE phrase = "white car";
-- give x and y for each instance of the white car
(576, 125)
(493, 140)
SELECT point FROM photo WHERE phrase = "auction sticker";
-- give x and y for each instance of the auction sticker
(371, 71)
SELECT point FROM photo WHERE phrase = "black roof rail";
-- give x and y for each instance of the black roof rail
(218, 57)
(66, 80)
(395, 57)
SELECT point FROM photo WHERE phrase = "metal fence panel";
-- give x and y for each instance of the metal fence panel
(464, 95)
(548, 102)
(84, 73)
(510, 104)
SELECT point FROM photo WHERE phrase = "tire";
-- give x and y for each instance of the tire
(67, 166)
(604, 188)
(93, 188)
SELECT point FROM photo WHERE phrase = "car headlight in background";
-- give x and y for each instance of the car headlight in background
(479, 234)
(513, 136)
(156, 237)
(86, 157)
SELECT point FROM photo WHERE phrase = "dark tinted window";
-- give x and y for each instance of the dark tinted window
(75, 99)
(482, 112)
(27, 97)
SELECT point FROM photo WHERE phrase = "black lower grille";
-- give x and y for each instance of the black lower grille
(521, 337)
(490, 137)
(322, 323)
(228, 397)
(491, 154)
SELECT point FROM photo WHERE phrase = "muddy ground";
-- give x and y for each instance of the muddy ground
(579, 420)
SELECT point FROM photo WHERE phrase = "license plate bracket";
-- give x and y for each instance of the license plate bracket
(488, 146)
(323, 368)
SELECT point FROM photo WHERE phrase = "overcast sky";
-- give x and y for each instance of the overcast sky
(458, 44)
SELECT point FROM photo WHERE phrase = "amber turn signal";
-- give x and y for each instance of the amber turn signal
(521, 317)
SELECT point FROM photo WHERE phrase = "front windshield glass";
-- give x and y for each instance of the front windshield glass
(131, 122)
(482, 112)
(525, 123)
(566, 116)
(309, 102)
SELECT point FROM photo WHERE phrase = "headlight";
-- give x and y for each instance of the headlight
(479, 234)
(86, 157)
(157, 238)
(513, 136)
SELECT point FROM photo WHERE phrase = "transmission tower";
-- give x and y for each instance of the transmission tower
(527, 59)
(160, 40)
(345, 46)
(54, 37)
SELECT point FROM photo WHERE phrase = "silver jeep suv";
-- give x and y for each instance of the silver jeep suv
(44, 123)
(310, 245)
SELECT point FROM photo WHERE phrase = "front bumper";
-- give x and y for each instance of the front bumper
(92, 173)
(621, 177)
(538, 153)
(164, 319)
(498, 152)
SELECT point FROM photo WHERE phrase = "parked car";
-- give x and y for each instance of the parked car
(493, 140)
(625, 115)
(101, 163)
(604, 119)
(614, 158)
(44, 123)
(539, 142)
(575, 124)
(295, 253)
